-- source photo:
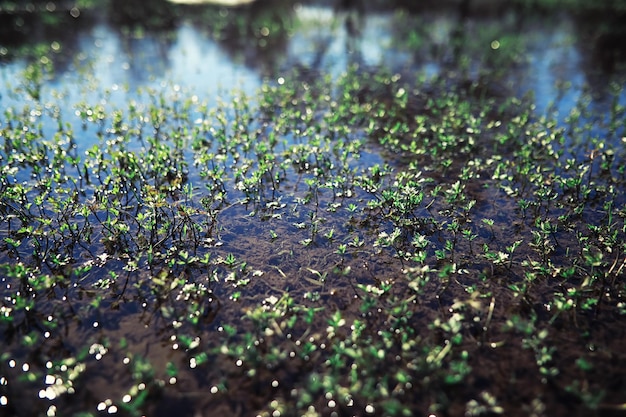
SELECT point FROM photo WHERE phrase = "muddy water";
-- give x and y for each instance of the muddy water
(134, 333)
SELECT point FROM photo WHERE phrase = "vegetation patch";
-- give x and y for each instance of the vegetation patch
(377, 243)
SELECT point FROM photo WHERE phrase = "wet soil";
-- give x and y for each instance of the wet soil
(287, 318)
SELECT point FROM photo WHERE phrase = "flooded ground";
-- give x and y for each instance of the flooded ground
(312, 209)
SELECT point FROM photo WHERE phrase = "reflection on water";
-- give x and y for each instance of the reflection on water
(214, 49)
(554, 58)
(196, 60)
(329, 42)
(188, 60)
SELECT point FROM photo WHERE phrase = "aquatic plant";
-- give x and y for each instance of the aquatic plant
(372, 243)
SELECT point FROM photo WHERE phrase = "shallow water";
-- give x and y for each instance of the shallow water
(549, 53)
(136, 332)
(548, 60)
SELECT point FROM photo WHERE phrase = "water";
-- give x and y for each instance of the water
(203, 55)
(189, 57)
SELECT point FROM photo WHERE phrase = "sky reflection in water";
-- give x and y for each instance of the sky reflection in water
(323, 41)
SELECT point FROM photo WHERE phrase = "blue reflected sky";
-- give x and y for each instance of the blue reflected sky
(105, 63)
(191, 61)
